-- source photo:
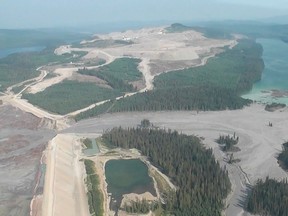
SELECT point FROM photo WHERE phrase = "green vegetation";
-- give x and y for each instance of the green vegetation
(88, 143)
(274, 106)
(18, 67)
(201, 183)
(95, 196)
(69, 96)
(118, 74)
(141, 207)
(228, 141)
(236, 69)
(208, 32)
(214, 86)
(269, 198)
(283, 156)
(145, 123)
(189, 98)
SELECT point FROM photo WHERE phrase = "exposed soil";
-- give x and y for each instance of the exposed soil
(21, 145)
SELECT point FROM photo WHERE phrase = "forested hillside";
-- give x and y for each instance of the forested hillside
(269, 198)
(214, 86)
(201, 183)
(190, 98)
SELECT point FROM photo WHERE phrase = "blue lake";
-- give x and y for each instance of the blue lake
(6, 52)
(273, 86)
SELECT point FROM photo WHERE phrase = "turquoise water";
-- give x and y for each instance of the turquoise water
(6, 52)
(273, 86)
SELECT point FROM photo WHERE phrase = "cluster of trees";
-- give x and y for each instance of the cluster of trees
(269, 198)
(118, 74)
(214, 86)
(228, 141)
(187, 98)
(207, 31)
(236, 69)
(283, 156)
(140, 206)
(22, 66)
(201, 183)
(88, 143)
(95, 196)
(274, 106)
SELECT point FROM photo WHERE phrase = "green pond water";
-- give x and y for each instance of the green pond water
(273, 86)
(127, 176)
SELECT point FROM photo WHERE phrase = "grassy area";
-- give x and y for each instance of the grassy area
(18, 67)
(69, 96)
(118, 74)
(88, 143)
(95, 196)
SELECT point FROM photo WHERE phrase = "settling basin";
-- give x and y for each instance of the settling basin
(125, 177)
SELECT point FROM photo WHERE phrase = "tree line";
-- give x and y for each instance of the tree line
(214, 86)
(201, 183)
(283, 156)
(201, 98)
(269, 198)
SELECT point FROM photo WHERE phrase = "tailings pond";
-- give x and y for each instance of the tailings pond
(127, 176)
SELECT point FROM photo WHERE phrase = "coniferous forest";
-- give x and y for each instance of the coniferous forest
(283, 156)
(201, 184)
(217, 85)
(269, 198)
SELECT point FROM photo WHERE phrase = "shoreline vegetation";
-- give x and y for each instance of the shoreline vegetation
(218, 85)
(201, 184)
(94, 194)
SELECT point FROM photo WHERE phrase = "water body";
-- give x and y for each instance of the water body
(6, 52)
(273, 86)
(92, 151)
(127, 176)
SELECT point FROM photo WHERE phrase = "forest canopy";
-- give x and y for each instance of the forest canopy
(201, 184)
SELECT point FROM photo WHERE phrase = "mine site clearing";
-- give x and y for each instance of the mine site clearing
(259, 143)
(154, 46)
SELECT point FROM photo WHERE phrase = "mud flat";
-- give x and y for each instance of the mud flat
(22, 141)
(259, 143)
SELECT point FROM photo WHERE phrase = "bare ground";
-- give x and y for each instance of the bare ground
(21, 149)
(259, 143)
